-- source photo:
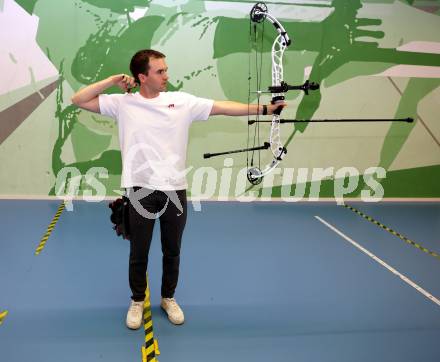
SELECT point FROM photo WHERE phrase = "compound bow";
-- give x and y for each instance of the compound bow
(259, 14)
(255, 175)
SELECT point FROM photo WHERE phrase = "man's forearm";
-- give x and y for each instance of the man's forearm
(254, 109)
(90, 92)
(230, 108)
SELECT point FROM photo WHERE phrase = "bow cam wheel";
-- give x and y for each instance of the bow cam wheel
(254, 176)
(258, 12)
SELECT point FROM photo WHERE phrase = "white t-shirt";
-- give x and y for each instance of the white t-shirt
(153, 136)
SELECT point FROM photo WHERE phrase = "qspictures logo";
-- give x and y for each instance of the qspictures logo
(144, 166)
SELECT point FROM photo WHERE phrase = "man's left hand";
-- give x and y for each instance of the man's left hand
(272, 107)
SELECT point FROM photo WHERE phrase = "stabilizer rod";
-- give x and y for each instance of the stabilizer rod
(265, 146)
(408, 120)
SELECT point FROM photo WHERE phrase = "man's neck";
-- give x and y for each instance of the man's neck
(148, 93)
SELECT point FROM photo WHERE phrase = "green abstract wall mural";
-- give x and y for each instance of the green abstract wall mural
(373, 59)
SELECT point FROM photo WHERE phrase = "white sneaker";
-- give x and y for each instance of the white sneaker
(134, 315)
(175, 314)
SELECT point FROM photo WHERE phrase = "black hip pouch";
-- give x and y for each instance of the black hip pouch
(119, 216)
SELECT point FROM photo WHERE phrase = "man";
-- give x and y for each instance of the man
(153, 132)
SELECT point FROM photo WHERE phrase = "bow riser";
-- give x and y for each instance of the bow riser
(278, 48)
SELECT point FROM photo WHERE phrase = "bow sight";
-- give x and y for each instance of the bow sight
(284, 87)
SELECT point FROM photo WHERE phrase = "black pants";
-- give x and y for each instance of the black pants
(172, 223)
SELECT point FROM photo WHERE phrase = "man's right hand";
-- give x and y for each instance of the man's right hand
(124, 82)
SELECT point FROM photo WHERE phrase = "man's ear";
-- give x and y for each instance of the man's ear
(142, 77)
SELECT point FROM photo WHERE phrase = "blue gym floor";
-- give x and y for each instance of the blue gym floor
(259, 282)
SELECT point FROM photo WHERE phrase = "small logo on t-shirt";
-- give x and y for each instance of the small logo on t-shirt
(171, 105)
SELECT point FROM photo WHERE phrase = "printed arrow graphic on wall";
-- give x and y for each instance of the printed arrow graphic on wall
(12, 117)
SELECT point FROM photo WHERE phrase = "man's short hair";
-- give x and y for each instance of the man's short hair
(140, 62)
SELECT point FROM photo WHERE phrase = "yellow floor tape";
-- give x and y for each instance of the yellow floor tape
(50, 228)
(3, 316)
(150, 349)
(395, 233)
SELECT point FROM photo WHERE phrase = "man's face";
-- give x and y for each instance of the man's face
(157, 77)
